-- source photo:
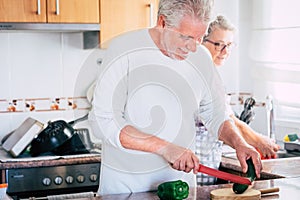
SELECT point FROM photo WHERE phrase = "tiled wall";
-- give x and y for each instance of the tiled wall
(44, 76)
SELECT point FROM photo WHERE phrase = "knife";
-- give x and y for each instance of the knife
(224, 175)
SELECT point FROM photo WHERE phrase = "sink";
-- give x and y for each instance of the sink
(287, 154)
(280, 154)
(273, 170)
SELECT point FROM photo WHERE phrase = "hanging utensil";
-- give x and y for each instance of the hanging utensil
(248, 114)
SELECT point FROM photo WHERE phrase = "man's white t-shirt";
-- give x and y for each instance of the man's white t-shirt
(140, 86)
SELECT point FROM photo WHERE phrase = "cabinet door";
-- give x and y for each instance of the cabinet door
(119, 16)
(73, 11)
(22, 10)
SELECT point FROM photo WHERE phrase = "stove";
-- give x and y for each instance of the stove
(50, 175)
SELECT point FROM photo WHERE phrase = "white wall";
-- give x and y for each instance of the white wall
(276, 62)
(230, 71)
(43, 66)
(237, 69)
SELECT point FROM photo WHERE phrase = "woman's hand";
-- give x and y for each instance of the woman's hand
(266, 147)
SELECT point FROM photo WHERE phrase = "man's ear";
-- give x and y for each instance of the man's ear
(161, 22)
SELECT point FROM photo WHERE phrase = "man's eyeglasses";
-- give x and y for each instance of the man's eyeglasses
(220, 46)
(186, 38)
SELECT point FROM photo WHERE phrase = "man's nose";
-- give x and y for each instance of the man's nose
(192, 45)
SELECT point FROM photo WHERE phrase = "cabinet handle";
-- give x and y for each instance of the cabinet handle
(57, 7)
(38, 7)
(151, 15)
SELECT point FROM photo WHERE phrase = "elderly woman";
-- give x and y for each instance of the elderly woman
(219, 41)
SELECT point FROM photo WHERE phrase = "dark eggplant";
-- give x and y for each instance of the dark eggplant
(241, 188)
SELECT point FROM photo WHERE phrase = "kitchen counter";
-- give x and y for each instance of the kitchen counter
(285, 170)
(289, 189)
(283, 173)
(7, 162)
(51, 161)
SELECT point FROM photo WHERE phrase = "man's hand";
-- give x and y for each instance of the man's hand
(229, 135)
(244, 152)
(180, 158)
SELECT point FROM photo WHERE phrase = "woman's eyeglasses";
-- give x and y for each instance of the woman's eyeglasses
(220, 46)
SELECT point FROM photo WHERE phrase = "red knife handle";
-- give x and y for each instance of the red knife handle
(224, 175)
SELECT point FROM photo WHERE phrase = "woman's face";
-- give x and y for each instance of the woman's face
(217, 39)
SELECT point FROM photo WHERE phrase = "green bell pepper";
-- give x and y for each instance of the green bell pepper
(173, 190)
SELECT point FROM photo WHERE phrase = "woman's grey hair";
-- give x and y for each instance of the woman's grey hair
(175, 10)
(220, 22)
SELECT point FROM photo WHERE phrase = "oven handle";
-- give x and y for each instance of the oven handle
(80, 195)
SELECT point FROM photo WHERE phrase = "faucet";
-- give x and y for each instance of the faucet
(270, 117)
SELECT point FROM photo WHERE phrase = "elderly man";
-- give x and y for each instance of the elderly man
(151, 84)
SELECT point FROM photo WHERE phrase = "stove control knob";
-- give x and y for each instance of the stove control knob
(80, 178)
(46, 181)
(69, 179)
(58, 180)
(93, 177)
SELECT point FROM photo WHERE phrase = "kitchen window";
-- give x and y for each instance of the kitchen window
(274, 49)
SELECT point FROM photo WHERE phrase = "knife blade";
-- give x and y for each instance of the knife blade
(224, 175)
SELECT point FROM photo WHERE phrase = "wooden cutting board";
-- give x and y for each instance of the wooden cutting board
(227, 194)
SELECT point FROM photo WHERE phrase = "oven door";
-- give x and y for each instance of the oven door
(52, 180)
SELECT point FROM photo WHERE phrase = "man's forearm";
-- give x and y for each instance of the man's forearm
(179, 157)
(132, 138)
